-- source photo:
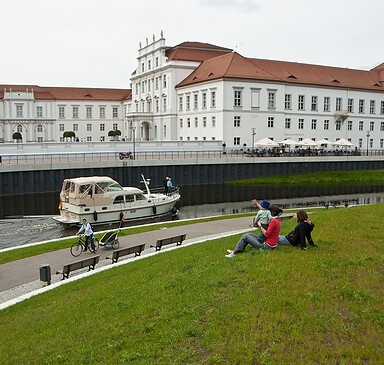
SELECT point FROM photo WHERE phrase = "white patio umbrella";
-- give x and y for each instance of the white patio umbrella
(325, 141)
(289, 142)
(308, 142)
(343, 142)
(266, 142)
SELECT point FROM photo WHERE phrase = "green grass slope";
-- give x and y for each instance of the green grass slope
(194, 306)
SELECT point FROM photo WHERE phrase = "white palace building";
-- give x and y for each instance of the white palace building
(201, 92)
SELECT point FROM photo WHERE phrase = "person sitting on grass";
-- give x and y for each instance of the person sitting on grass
(263, 216)
(271, 235)
(301, 233)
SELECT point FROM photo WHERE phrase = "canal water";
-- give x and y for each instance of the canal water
(197, 201)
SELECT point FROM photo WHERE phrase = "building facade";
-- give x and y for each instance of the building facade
(202, 92)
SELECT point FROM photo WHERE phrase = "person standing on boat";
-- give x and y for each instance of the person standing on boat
(169, 186)
(88, 234)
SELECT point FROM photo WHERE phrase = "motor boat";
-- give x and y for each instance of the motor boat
(102, 200)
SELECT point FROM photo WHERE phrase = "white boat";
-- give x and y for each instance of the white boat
(101, 200)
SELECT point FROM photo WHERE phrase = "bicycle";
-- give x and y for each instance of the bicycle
(78, 247)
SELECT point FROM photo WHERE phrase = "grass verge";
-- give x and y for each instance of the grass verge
(193, 306)
(322, 178)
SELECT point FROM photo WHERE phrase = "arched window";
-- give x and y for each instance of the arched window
(19, 128)
(39, 128)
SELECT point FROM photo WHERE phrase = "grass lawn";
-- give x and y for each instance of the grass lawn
(194, 306)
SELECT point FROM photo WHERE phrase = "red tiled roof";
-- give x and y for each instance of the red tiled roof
(238, 67)
(195, 51)
(70, 93)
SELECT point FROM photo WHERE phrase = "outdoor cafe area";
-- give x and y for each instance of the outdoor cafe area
(307, 147)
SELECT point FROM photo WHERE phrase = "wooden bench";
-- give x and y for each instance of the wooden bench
(126, 251)
(90, 262)
(169, 240)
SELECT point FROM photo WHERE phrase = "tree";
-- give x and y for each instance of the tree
(17, 136)
(69, 135)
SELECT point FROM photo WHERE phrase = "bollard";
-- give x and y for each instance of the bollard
(45, 273)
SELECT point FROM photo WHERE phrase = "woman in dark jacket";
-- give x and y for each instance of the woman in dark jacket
(301, 233)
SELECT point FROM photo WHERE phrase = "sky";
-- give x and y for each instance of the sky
(94, 43)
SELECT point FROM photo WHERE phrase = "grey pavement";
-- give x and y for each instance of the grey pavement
(19, 274)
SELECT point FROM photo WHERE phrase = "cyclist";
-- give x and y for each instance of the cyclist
(88, 233)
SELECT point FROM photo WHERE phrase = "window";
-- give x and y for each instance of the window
(236, 141)
(213, 99)
(271, 121)
(164, 81)
(19, 111)
(143, 67)
(114, 126)
(287, 123)
(149, 84)
(157, 61)
(102, 127)
(137, 86)
(326, 124)
(165, 131)
(382, 126)
(350, 105)
(213, 121)
(195, 100)
(180, 103)
(40, 139)
(300, 105)
(204, 122)
(372, 106)
(196, 122)
(157, 83)
(164, 103)
(61, 127)
(39, 112)
(361, 125)
(349, 125)
(287, 101)
(75, 127)
(361, 106)
(313, 124)
(157, 105)
(301, 124)
(143, 87)
(114, 112)
(272, 99)
(338, 125)
(204, 100)
(327, 101)
(89, 112)
(19, 128)
(61, 112)
(89, 127)
(371, 126)
(381, 142)
(314, 103)
(360, 142)
(181, 123)
(188, 122)
(75, 112)
(149, 64)
(188, 102)
(102, 112)
(255, 98)
(237, 98)
(40, 128)
(236, 121)
(382, 107)
(339, 102)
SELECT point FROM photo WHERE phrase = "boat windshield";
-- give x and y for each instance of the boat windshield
(104, 186)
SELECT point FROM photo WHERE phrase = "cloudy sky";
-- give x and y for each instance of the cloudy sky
(94, 43)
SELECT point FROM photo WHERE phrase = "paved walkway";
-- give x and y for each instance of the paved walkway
(19, 274)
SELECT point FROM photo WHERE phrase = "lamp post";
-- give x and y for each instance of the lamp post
(253, 140)
(368, 135)
(133, 129)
